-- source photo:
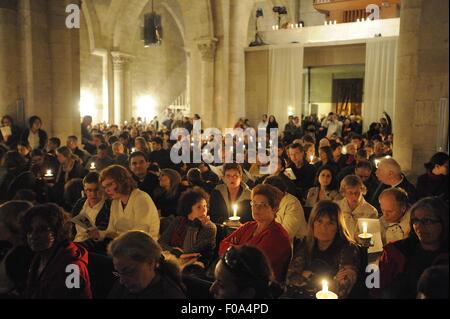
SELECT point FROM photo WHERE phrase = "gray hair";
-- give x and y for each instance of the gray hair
(136, 245)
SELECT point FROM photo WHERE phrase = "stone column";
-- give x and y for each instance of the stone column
(107, 86)
(121, 89)
(207, 48)
(422, 80)
(9, 75)
(64, 48)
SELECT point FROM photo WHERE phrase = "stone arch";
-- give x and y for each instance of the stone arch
(93, 25)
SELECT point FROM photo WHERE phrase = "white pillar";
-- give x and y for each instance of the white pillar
(121, 89)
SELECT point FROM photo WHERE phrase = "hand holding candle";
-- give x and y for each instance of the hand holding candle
(325, 293)
(365, 237)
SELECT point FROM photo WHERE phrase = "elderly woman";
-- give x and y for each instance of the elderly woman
(47, 236)
(402, 262)
(17, 257)
(191, 234)
(233, 191)
(353, 205)
(244, 273)
(328, 253)
(142, 270)
(264, 233)
(131, 208)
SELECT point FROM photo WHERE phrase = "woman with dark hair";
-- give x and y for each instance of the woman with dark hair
(264, 233)
(402, 262)
(326, 158)
(9, 133)
(435, 181)
(47, 236)
(327, 253)
(191, 234)
(35, 135)
(141, 145)
(325, 187)
(142, 270)
(244, 273)
(272, 123)
(168, 192)
(17, 257)
(131, 208)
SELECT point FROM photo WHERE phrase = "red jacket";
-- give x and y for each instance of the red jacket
(273, 242)
(51, 283)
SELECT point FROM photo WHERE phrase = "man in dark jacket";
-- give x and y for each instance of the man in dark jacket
(139, 166)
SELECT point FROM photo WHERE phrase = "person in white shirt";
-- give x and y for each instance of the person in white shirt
(263, 123)
(94, 206)
(333, 125)
(395, 222)
(131, 208)
(353, 205)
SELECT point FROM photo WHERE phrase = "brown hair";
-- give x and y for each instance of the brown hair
(273, 194)
(121, 176)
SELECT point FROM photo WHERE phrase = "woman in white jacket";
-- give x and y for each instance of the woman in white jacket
(131, 208)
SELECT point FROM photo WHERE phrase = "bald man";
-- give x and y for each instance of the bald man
(389, 173)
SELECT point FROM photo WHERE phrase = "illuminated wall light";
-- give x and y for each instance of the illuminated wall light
(87, 104)
(146, 107)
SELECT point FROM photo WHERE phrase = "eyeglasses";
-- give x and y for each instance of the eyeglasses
(128, 273)
(425, 221)
(232, 176)
(259, 205)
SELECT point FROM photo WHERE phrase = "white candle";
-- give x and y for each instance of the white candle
(311, 159)
(357, 20)
(49, 173)
(235, 217)
(92, 165)
(325, 23)
(325, 293)
(365, 235)
(335, 22)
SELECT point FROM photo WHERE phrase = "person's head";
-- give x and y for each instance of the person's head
(277, 182)
(157, 144)
(264, 117)
(169, 180)
(102, 151)
(117, 181)
(326, 154)
(429, 222)
(433, 283)
(98, 139)
(389, 171)
(53, 143)
(361, 155)
(7, 120)
(44, 227)
(363, 170)
(35, 123)
(265, 201)
(24, 148)
(308, 139)
(310, 151)
(118, 148)
(194, 176)
(10, 215)
(91, 187)
(124, 138)
(296, 154)
(324, 142)
(232, 175)
(72, 142)
(438, 164)
(272, 119)
(353, 189)
(326, 178)
(242, 273)
(137, 258)
(357, 141)
(37, 158)
(336, 148)
(139, 164)
(387, 145)
(193, 204)
(393, 204)
(350, 149)
(87, 120)
(141, 144)
(326, 224)
(63, 154)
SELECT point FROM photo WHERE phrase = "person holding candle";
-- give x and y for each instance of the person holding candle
(101, 160)
(353, 205)
(233, 191)
(402, 262)
(325, 187)
(303, 171)
(329, 253)
(264, 233)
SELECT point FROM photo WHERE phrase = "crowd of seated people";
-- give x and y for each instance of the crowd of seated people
(116, 203)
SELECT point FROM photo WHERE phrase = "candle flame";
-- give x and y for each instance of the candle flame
(235, 207)
(364, 227)
(324, 285)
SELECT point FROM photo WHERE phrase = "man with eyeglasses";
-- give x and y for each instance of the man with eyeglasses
(96, 208)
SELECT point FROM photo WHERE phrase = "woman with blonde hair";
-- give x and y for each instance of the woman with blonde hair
(353, 205)
(328, 252)
(131, 208)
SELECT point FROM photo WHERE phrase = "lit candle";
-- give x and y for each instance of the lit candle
(235, 217)
(133, 150)
(311, 159)
(365, 237)
(126, 123)
(325, 23)
(335, 22)
(364, 228)
(49, 173)
(270, 142)
(377, 162)
(92, 166)
(344, 150)
(358, 20)
(325, 293)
